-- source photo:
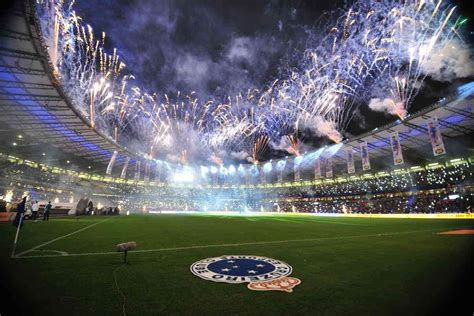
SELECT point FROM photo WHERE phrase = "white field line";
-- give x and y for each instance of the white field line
(334, 222)
(232, 245)
(299, 220)
(284, 220)
(59, 238)
(77, 220)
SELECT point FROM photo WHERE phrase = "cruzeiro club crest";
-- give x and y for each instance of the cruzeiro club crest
(262, 274)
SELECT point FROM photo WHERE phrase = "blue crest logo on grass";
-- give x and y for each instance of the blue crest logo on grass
(246, 269)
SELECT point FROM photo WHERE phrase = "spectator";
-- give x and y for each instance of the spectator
(20, 209)
(90, 208)
(34, 211)
(47, 209)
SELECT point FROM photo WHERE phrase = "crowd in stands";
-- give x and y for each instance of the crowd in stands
(384, 204)
(424, 191)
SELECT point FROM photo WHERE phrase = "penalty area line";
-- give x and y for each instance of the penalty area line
(58, 238)
(227, 245)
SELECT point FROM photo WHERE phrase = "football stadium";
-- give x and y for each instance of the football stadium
(261, 157)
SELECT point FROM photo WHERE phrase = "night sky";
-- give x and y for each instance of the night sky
(211, 47)
(220, 48)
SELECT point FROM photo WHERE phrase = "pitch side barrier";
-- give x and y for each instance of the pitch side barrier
(412, 215)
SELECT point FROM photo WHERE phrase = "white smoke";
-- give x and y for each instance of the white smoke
(241, 49)
(173, 158)
(283, 144)
(389, 106)
(191, 69)
(242, 155)
(239, 155)
(216, 158)
(325, 128)
(451, 61)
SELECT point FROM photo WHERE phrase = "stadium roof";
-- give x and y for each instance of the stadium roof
(34, 105)
(455, 118)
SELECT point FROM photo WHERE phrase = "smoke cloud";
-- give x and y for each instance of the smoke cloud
(451, 61)
(241, 155)
(324, 128)
(200, 46)
(389, 106)
(285, 145)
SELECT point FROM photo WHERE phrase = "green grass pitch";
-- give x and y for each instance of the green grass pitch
(352, 266)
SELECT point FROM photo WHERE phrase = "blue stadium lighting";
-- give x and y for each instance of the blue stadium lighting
(281, 165)
(331, 151)
(45, 116)
(453, 119)
(223, 170)
(241, 170)
(254, 170)
(466, 90)
(267, 167)
(232, 170)
(204, 171)
(315, 155)
(298, 160)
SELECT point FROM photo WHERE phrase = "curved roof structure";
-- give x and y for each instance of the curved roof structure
(33, 104)
(455, 118)
(34, 107)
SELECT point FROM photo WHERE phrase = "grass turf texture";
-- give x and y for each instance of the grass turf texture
(347, 268)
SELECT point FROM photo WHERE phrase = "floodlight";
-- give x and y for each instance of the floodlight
(183, 176)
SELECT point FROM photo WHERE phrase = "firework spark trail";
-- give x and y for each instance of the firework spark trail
(259, 148)
(384, 46)
(415, 36)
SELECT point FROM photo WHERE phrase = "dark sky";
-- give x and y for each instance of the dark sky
(211, 47)
(222, 47)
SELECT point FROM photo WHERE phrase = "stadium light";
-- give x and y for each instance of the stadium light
(267, 167)
(232, 170)
(223, 170)
(183, 176)
(254, 170)
(281, 165)
(204, 171)
(241, 170)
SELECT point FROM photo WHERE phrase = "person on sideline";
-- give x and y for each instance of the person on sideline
(34, 210)
(20, 209)
(47, 209)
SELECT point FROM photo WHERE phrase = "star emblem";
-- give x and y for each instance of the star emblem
(230, 261)
(252, 271)
(225, 270)
(235, 267)
(260, 265)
